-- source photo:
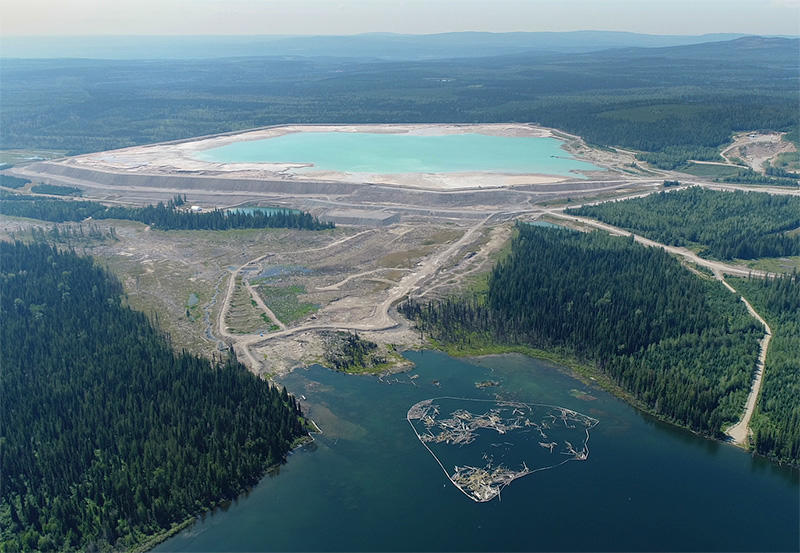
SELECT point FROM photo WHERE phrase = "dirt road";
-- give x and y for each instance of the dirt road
(263, 306)
(240, 342)
(724, 268)
(380, 318)
(740, 432)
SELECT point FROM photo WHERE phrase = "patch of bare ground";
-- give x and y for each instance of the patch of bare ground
(268, 293)
(198, 284)
(755, 149)
(465, 272)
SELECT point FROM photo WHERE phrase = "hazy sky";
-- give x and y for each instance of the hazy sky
(193, 17)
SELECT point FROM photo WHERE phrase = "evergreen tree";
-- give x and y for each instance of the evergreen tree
(683, 346)
(108, 436)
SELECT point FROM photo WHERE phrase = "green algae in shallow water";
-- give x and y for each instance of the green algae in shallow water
(584, 396)
(405, 153)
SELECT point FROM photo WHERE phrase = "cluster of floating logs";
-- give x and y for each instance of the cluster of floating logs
(556, 428)
(484, 485)
(463, 426)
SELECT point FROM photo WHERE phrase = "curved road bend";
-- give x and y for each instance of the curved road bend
(380, 318)
(740, 431)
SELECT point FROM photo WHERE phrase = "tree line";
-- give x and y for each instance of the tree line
(774, 177)
(161, 216)
(668, 106)
(747, 225)
(56, 190)
(776, 423)
(108, 436)
(681, 345)
(12, 182)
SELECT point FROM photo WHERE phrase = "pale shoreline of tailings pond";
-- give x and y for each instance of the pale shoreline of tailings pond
(181, 157)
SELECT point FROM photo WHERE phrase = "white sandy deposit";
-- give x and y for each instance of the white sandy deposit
(178, 158)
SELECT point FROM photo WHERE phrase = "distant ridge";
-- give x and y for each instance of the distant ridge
(383, 46)
(746, 45)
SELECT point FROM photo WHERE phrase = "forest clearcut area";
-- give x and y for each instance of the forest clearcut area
(651, 253)
(108, 454)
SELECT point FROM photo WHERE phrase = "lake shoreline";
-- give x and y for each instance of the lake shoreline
(369, 452)
(563, 363)
(582, 371)
(151, 542)
(186, 157)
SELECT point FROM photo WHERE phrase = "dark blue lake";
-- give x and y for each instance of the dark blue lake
(368, 483)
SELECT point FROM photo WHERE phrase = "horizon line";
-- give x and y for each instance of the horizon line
(386, 33)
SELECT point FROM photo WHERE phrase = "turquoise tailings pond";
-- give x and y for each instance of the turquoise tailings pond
(368, 482)
(390, 153)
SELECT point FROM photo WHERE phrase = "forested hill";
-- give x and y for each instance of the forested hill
(776, 423)
(747, 225)
(750, 48)
(107, 435)
(683, 346)
(676, 103)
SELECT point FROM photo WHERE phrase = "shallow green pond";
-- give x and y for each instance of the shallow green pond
(403, 153)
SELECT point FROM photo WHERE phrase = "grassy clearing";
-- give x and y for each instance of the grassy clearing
(404, 259)
(443, 236)
(225, 237)
(284, 302)
(243, 317)
(478, 284)
(773, 264)
(162, 295)
(278, 239)
(710, 171)
(790, 161)
(14, 157)
(194, 306)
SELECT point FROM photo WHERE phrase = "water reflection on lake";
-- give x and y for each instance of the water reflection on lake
(369, 484)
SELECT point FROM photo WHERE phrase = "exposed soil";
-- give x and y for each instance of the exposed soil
(755, 149)
(441, 241)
